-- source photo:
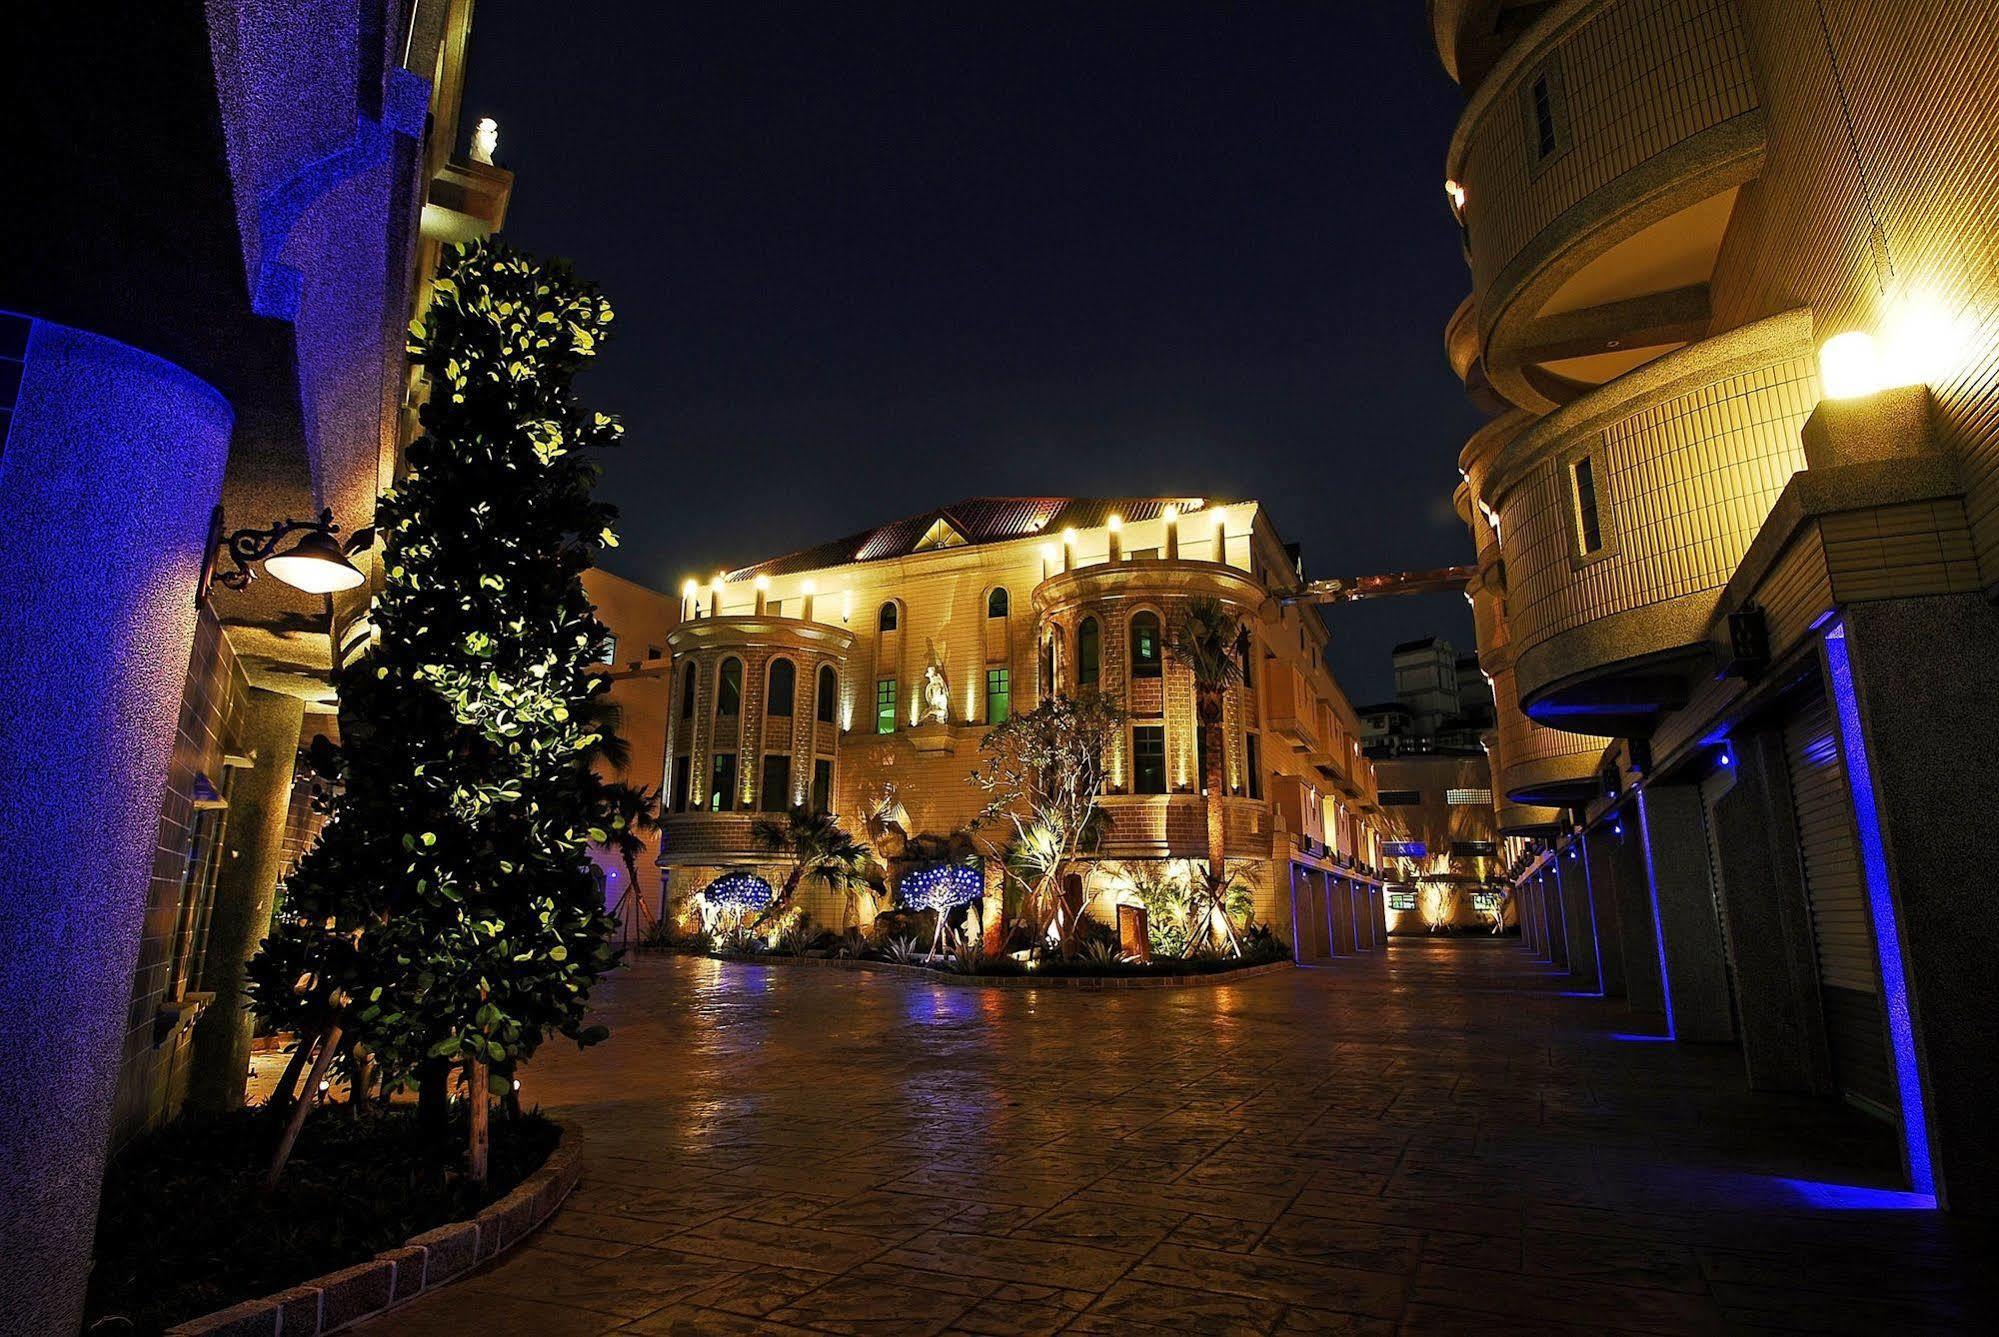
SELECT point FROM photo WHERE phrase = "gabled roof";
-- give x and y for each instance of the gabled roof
(977, 520)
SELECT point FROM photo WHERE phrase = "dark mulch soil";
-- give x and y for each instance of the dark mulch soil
(185, 1227)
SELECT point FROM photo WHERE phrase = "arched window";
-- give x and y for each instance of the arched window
(690, 685)
(1089, 652)
(783, 688)
(996, 604)
(1145, 655)
(729, 688)
(1047, 675)
(829, 692)
(888, 617)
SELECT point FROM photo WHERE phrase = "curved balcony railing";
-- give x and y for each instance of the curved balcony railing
(1611, 126)
(1623, 515)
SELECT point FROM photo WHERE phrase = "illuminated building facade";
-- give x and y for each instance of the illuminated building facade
(204, 329)
(858, 677)
(1734, 318)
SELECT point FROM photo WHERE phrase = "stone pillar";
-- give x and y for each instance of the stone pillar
(110, 471)
(1769, 921)
(1919, 693)
(1606, 925)
(1674, 844)
(244, 888)
(1578, 932)
(1363, 919)
(1377, 900)
(1523, 914)
(1618, 861)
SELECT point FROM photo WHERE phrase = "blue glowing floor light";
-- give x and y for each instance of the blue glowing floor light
(1881, 911)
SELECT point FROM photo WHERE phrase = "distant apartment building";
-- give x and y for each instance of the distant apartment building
(639, 619)
(1734, 318)
(858, 677)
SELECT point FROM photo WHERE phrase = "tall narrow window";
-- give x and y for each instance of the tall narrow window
(1047, 684)
(885, 706)
(683, 781)
(1148, 759)
(1252, 762)
(1544, 118)
(722, 790)
(1089, 652)
(888, 617)
(1589, 529)
(996, 604)
(999, 695)
(829, 693)
(690, 684)
(822, 785)
(783, 688)
(729, 689)
(774, 785)
(1145, 657)
(607, 649)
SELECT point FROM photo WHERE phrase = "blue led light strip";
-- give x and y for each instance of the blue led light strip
(1881, 910)
(1658, 929)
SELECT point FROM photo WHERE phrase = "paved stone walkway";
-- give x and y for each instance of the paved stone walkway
(1443, 1139)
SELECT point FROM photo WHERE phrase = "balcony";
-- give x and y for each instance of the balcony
(1600, 161)
(1291, 710)
(1607, 614)
(467, 200)
(1536, 769)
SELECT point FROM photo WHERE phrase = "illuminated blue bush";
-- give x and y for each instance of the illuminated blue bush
(942, 887)
(742, 891)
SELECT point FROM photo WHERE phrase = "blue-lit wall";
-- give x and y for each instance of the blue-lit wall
(113, 460)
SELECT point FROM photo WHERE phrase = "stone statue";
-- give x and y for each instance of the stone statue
(485, 140)
(936, 695)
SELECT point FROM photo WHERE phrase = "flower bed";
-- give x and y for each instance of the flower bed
(365, 1217)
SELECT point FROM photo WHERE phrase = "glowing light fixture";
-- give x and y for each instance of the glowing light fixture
(1456, 193)
(316, 565)
(316, 562)
(1850, 366)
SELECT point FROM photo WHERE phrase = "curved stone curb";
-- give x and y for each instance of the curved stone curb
(1027, 981)
(432, 1259)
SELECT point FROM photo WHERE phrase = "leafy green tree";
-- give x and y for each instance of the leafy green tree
(1211, 643)
(819, 847)
(1044, 773)
(448, 911)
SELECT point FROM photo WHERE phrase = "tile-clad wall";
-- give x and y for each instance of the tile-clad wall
(1637, 77)
(153, 1079)
(1521, 741)
(1916, 77)
(1684, 486)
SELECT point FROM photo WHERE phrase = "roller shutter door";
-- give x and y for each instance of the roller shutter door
(1856, 1028)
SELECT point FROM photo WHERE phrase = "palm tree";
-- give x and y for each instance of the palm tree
(1211, 642)
(631, 814)
(819, 847)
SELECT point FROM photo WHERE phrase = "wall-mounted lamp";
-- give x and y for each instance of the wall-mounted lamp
(316, 562)
(1850, 366)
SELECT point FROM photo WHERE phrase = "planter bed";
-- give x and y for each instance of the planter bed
(334, 1277)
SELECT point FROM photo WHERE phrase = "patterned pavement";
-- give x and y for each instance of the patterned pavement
(1442, 1138)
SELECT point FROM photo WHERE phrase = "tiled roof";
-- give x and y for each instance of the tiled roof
(980, 520)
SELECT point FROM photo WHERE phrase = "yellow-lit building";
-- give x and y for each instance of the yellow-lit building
(862, 673)
(1734, 314)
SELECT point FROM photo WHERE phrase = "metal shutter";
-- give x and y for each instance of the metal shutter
(1856, 1028)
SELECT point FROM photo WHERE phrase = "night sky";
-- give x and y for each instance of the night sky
(869, 258)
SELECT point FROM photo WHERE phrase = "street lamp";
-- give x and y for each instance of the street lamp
(316, 562)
